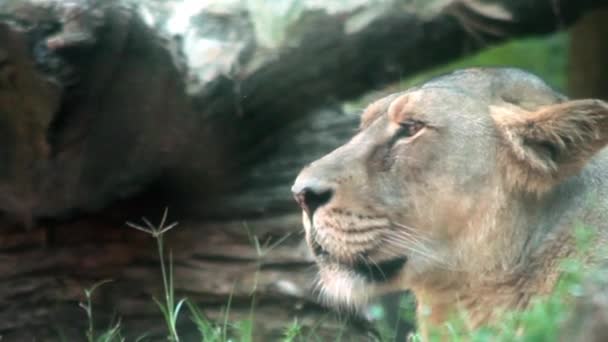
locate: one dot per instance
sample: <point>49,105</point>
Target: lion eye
<point>409,128</point>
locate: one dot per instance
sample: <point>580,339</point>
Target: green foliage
<point>112,334</point>
<point>406,314</point>
<point>546,57</point>
<point>207,329</point>
<point>169,308</point>
<point>292,331</point>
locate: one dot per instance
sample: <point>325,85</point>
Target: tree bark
<point>587,72</point>
<point>105,98</point>
<point>112,111</point>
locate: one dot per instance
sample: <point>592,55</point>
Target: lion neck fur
<point>525,240</point>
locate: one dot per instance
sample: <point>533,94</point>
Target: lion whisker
<point>374,264</point>
<point>402,242</point>
<point>417,232</point>
<point>410,245</point>
<point>413,238</point>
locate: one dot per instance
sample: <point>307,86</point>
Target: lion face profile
<point>463,190</point>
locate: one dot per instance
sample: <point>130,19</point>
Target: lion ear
<point>542,147</point>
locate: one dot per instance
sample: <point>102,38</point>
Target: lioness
<point>465,190</point>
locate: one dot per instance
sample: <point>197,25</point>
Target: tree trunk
<point>588,73</point>
<point>112,111</point>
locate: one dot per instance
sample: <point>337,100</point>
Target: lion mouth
<point>372,271</point>
<point>381,271</point>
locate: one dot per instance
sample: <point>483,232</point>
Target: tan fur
<point>375,110</point>
<point>574,128</point>
<point>481,201</point>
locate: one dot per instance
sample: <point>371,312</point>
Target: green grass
<point>537,323</point>
<point>111,334</point>
<point>169,308</point>
<point>546,57</point>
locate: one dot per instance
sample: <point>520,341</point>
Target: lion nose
<point>311,196</point>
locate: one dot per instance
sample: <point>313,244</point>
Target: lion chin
<point>352,287</point>
<point>345,289</point>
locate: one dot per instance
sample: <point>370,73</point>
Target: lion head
<point>444,183</point>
